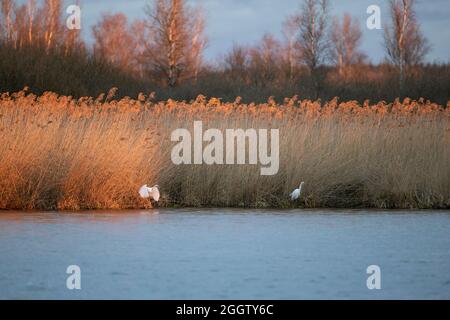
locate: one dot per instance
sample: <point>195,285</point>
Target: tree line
<point>319,55</point>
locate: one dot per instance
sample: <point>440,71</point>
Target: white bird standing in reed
<point>152,193</point>
<point>297,192</point>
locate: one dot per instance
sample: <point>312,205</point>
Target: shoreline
<point>299,209</point>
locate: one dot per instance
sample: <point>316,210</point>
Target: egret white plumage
<point>297,192</point>
<point>153,192</point>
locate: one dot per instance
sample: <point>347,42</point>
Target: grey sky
<point>246,21</point>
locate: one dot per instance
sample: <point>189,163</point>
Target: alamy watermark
<point>73,281</point>
<point>374,280</point>
<point>374,20</point>
<point>73,21</point>
<point>235,146</point>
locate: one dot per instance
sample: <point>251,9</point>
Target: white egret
<point>153,192</point>
<point>297,192</point>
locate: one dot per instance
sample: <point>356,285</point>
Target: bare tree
<point>31,13</point>
<point>7,13</point>
<point>405,45</point>
<point>51,12</point>
<point>197,43</point>
<point>39,27</point>
<point>313,40</point>
<point>141,33</point>
<point>290,32</point>
<point>20,26</point>
<point>72,39</point>
<point>345,39</point>
<point>175,48</point>
<point>114,41</point>
<point>264,61</point>
<point>236,64</point>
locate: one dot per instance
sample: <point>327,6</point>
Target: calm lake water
<point>225,254</point>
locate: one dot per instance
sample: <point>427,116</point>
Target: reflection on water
<point>224,254</point>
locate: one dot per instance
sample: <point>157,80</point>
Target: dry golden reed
<point>57,152</point>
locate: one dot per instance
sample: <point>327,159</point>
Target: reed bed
<point>57,152</point>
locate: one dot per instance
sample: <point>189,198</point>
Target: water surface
<point>225,254</point>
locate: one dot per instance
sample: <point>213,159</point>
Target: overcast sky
<point>246,21</point>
